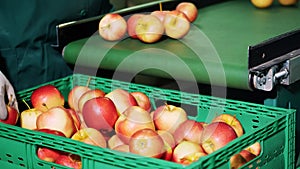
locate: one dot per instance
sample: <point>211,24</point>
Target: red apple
<point>49,154</point>
<point>160,15</point>
<point>169,144</point>
<point>100,113</point>
<point>142,100</point>
<point>112,27</point>
<point>146,142</point>
<point>254,148</point>
<point>69,160</point>
<point>74,95</point>
<point>232,121</point>
<point>56,118</point>
<point>90,136</point>
<point>187,152</point>
<point>189,9</point>
<point>216,135</point>
<point>12,116</point>
<point>189,130</point>
<point>114,141</point>
<point>169,117</point>
<point>75,117</point>
<point>149,29</point>
<point>131,24</point>
<point>46,97</point>
<point>122,148</point>
<point>122,99</point>
<point>89,95</point>
<point>133,119</point>
<point>237,161</point>
<point>248,156</point>
<point>176,24</point>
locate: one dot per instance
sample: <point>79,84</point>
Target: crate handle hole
<point>8,155</point>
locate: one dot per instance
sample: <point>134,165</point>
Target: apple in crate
<point>114,141</point>
<point>217,135</point>
<point>89,95</point>
<point>176,24</point>
<point>122,148</point>
<point>76,118</point>
<point>169,144</point>
<point>149,29</point>
<point>187,152</point>
<point>28,118</point>
<point>248,156</point>
<point>237,161</point>
<point>100,113</point>
<point>169,117</point>
<point>69,160</point>
<point>49,154</point>
<point>254,148</point>
<point>189,9</point>
<point>232,121</point>
<point>12,116</point>
<point>133,119</point>
<point>142,100</point>
<point>74,95</point>
<point>90,136</point>
<point>190,130</point>
<point>112,27</point>
<point>46,97</point>
<point>131,24</point>
<point>57,118</point>
<point>146,142</point>
<point>122,99</point>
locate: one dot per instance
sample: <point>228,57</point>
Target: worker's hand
<point>6,89</point>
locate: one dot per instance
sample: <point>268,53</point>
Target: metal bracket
<point>283,70</point>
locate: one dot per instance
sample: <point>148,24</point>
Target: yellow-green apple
<point>28,118</point>
<point>69,160</point>
<point>146,142</point>
<point>12,116</point>
<point>114,141</point>
<point>232,121</point>
<point>49,154</point>
<point>122,99</point>
<point>131,24</point>
<point>189,130</point>
<point>237,161</point>
<point>122,148</point>
<point>142,100</point>
<point>189,9</point>
<point>187,152</point>
<point>90,136</point>
<point>112,27</point>
<point>46,97</point>
<point>216,135</point>
<point>74,95</point>
<point>89,95</point>
<point>248,156</point>
<point>176,24</point>
<point>149,29</point>
<point>169,144</point>
<point>100,113</point>
<point>254,148</point>
<point>56,118</point>
<point>169,117</point>
<point>159,14</point>
<point>133,119</point>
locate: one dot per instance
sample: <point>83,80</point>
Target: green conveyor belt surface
<point>214,51</point>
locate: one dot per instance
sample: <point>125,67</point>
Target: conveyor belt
<point>214,52</point>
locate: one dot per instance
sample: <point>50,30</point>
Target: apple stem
<point>160,6</point>
<point>44,104</point>
<point>26,104</point>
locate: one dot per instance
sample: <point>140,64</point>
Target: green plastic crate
<point>273,127</point>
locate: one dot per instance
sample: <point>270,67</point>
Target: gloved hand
<point>6,89</point>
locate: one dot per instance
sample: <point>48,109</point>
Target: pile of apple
<point>149,28</point>
<point>126,121</point>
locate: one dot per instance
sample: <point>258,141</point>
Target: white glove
<point>6,89</point>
